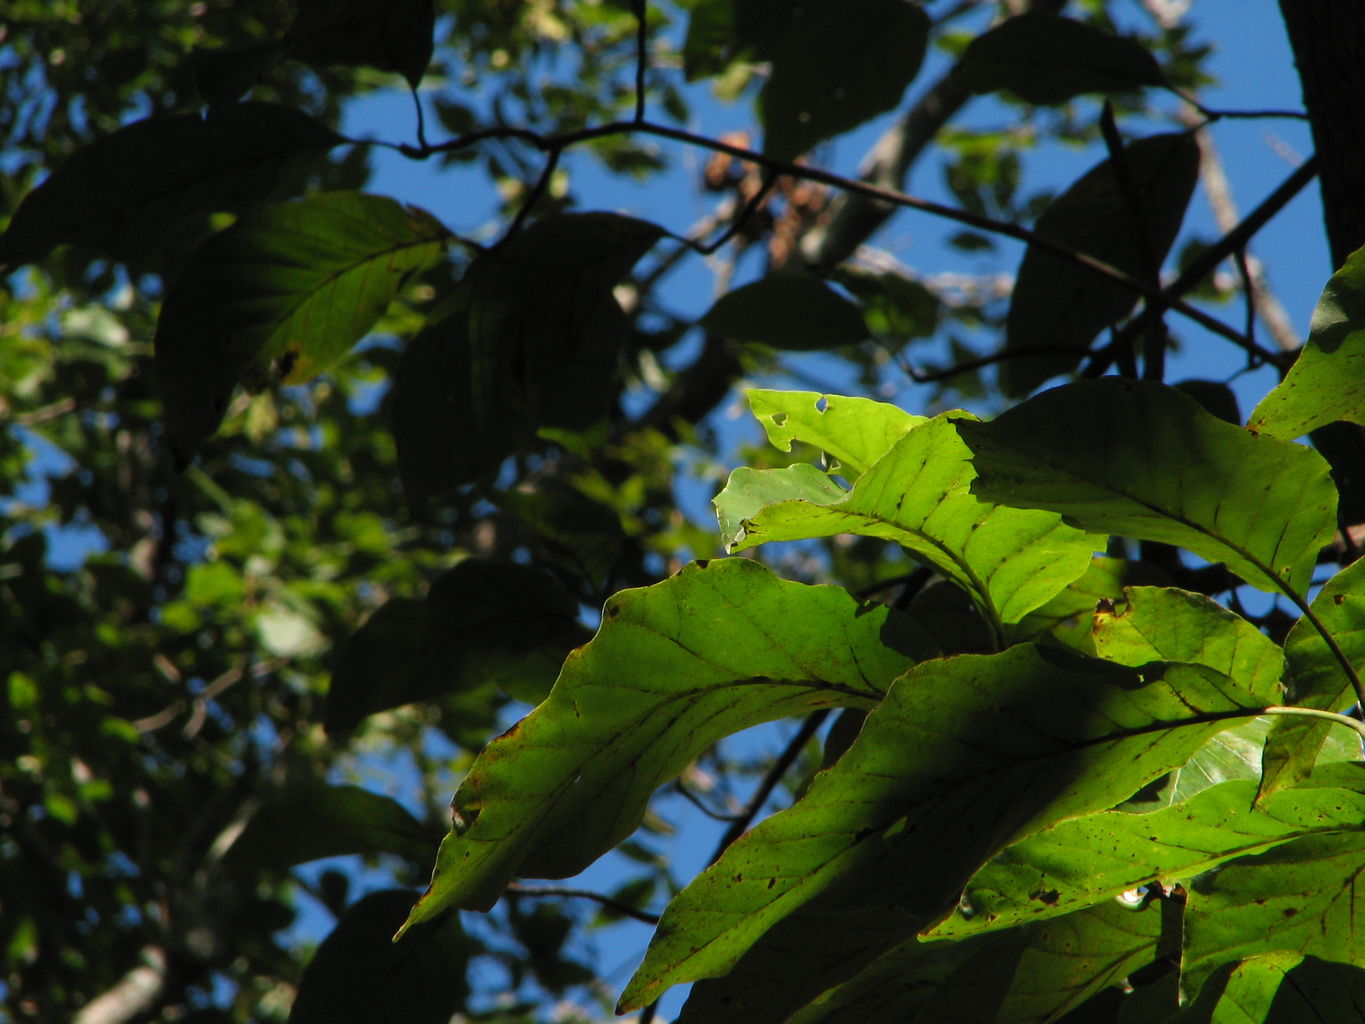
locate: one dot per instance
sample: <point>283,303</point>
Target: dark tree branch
<point>610,902</point>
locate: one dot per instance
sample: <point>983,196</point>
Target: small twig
<point>968,365</point>
<point>421,119</point>
<point>1354,724</point>
<point>741,218</point>
<point>541,186</point>
<point>641,41</point>
<point>700,805</point>
<point>610,902</point>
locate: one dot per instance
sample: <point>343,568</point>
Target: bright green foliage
<point>1327,381</point>
<point>673,668</point>
<point>962,755</point>
<point>853,432</point>
<point>1278,988</point>
<point>918,494</point>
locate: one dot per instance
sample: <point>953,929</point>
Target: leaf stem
<point>1354,724</point>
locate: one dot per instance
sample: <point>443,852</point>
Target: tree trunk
<point>1328,39</point>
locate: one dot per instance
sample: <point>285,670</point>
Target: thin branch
<point>1354,724</point>
<point>610,902</point>
<point>641,42</point>
<point>968,365</point>
<point>541,186</point>
<point>807,172</point>
<point>421,119</point>
<point>741,218</point>
<point>700,805</point>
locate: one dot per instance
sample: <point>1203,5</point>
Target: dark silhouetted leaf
<point>676,666</point>
<point>360,976</point>
<point>833,69</point>
<point>1327,381</point>
<point>787,311</point>
<point>482,624</point>
<point>1059,304</point>
<point>1047,59</point>
<point>393,35</point>
<point>532,341</point>
<point>289,289</point>
<point>1146,461</point>
<point>326,821</point>
<point>127,192</point>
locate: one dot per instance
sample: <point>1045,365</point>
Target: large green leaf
<point>676,666</point>
<point>326,821</point>
<point>1047,59</point>
<point>1070,614</point>
<point>1299,897</point>
<point>482,623</point>
<point>1035,974</point>
<point>1084,861</point>
<point>787,311</point>
<point>288,289</point>
<point>1327,381</point>
<point>854,432</point>
<point>919,495</point>
<point>359,976</point>
<point>1165,624</point>
<point>126,193</point>
<point>1316,676</point>
<point>963,755</point>
<point>1279,988</point>
<point>833,69</point>
<point>1146,461</point>
<point>1058,304</point>
<point>532,340</point>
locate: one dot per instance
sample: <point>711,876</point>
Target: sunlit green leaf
<point>919,495</point>
<point>1146,461</point>
<point>1165,624</point>
<point>855,432</point>
<point>719,647</point>
<point>1036,973</point>
<point>126,193</point>
<point>1298,897</point>
<point>1279,988</point>
<point>1327,381</point>
<point>288,289</point>
<point>1070,614</point>
<point>1317,677</point>
<point>1047,59</point>
<point>964,755</point>
<point>1058,304</point>
<point>787,311</point>
<point>1086,860</point>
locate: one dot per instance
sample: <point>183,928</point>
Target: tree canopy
<point>365,653</point>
